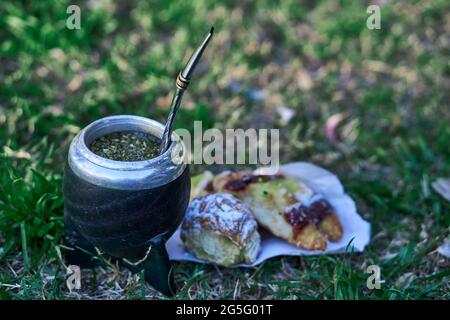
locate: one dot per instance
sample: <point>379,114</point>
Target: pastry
<point>288,208</point>
<point>219,228</point>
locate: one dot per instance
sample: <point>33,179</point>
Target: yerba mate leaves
<point>126,146</point>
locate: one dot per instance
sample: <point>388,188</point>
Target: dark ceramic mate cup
<point>127,210</point>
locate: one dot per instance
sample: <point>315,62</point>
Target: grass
<point>390,88</point>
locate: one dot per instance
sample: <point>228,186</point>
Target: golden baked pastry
<point>219,228</point>
<point>288,208</point>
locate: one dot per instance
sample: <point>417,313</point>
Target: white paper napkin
<point>356,230</point>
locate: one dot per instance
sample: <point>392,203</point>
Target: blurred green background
<point>371,105</point>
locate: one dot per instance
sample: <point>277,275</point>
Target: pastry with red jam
<point>286,207</point>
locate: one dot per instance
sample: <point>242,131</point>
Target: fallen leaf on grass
<point>442,186</point>
<point>286,114</point>
<point>405,280</point>
<point>20,154</point>
<point>331,125</point>
<point>444,249</point>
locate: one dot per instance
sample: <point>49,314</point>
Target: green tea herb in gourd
<point>126,146</point>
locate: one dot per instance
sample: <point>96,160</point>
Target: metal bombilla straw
<point>182,83</point>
